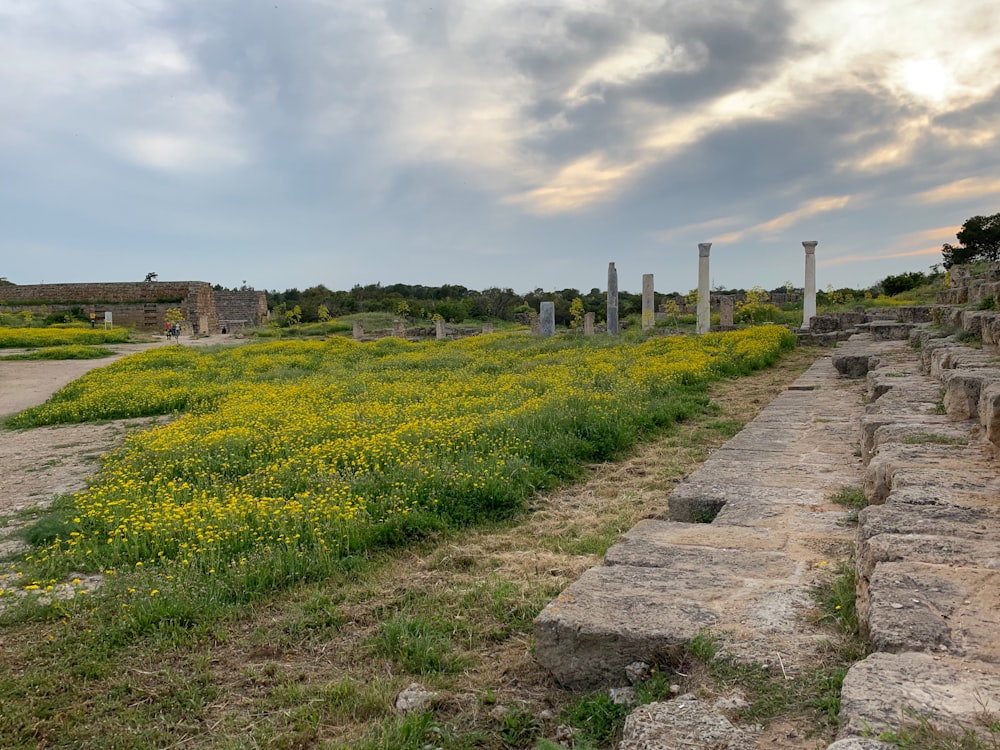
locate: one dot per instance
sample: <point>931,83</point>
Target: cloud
<point>961,190</point>
<point>780,223</point>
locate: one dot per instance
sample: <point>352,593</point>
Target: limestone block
<point>989,411</point>
<point>888,330</point>
<point>861,743</point>
<point>854,365</point>
<point>618,614</point>
<point>614,616</point>
<point>684,722</point>
<point>886,689</point>
<point>962,389</point>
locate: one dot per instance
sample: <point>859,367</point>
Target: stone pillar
<point>439,332</point>
<point>399,329</point>
<point>588,324</point>
<point>359,330</point>
<point>612,300</point>
<point>536,325</point>
<point>704,294</point>
<point>809,299</point>
<point>487,328</point>
<point>726,307</point>
<point>548,318</point>
<point>648,306</point>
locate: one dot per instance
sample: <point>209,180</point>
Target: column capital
<point>703,248</point>
<point>810,246</point>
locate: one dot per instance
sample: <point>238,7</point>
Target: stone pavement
<point>749,534</point>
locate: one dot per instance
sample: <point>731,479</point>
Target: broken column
<point>487,328</point>
<point>399,328</point>
<point>612,300</point>
<point>809,300</point>
<point>359,330</point>
<point>727,307</point>
<point>648,309</point>
<point>548,319</point>
<point>439,331</point>
<point>704,295</point>
<point>588,324</point>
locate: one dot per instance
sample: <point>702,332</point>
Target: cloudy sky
<point>514,143</point>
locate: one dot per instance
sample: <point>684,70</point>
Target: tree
<point>893,285</point>
<point>979,238</point>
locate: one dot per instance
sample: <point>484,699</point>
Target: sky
<point>509,143</point>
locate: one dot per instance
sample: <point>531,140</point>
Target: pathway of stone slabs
<point>746,575</point>
<point>926,554</point>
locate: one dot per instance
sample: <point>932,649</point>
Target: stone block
<point>614,616</point>
<point>962,389</point>
<point>684,722</point>
<point>886,690</point>
<point>854,365</point>
<point>618,614</point>
<point>989,411</point>
<point>888,330</point>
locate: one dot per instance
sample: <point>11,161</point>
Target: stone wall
<point>240,309</point>
<point>970,285</point>
<point>143,305</point>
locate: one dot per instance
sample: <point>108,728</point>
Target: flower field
<point>292,451</point>
<point>60,336</point>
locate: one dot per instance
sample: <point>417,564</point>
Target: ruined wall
<point>970,284</point>
<point>240,309</point>
<point>140,305</point>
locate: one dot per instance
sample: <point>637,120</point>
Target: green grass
<point>851,497</point>
<point>933,439</point>
<point>919,733</point>
<point>64,352</point>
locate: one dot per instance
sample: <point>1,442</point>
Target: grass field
<point>295,476</point>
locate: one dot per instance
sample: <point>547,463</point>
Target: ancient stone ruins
<point>908,410</point>
<point>143,305</point>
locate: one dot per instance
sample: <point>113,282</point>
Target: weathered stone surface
<point>931,518</point>
<point>989,412</point>
<point>937,547</point>
<point>918,606</point>
<point>684,722</point>
<point>885,330</point>
<point>613,616</point>
<point>854,365</point>
<point>861,743</point>
<point>886,689</point>
<point>927,464</point>
<point>414,697</point>
<point>962,390</point>
<point>687,547</point>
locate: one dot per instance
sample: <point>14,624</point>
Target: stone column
<point>548,318</point>
<point>809,299</point>
<point>588,324</point>
<point>648,308</point>
<point>439,332</point>
<point>399,329</point>
<point>487,328</point>
<point>704,294</point>
<point>612,300</point>
<point>359,330</point>
<point>726,307</point>
<point>536,325</point>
